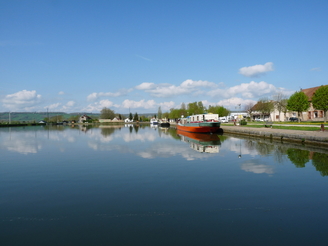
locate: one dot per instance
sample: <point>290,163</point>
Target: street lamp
<point>239,108</point>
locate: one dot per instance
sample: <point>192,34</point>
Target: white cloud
<point>53,106</point>
<point>70,104</point>
<point>64,108</point>
<point>168,90</point>
<point>98,106</point>
<point>21,100</point>
<point>246,90</point>
<point>145,86</point>
<point>200,83</point>
<point>256,70</point>
<point>61,93</point>
<point>233,103</point>
<point>316,69</point>
<point>93,96</point>
<point>127,103</point>
<point>150,104</point>
<point>167,105</point>
<point>106,103</point>
<point>207,103</point>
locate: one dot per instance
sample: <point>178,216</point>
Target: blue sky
<point>137,56</point>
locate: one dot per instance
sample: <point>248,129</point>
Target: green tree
<point>220,110</point>
<point>264,106</point>
<point>201,107</point>
<point>59,118</point>
<point>298,102</point>
<point>73,117</point>
<point>174,113</point>
<point>183,110</point>
<point>195,108</point>
<point>130,116</point>
<point>56,118</point>
<point>159,113</point>
<point>166,115</point>
<point>107,113</point>
<point>320,100</point>
<point>136,117</point>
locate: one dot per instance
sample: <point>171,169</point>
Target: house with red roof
<point>312,113</point>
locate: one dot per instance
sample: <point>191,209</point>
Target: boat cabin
<point>203,118</point>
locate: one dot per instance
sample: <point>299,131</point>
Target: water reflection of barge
<point>200,142</point>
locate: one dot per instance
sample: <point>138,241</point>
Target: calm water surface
<point>129,185</point>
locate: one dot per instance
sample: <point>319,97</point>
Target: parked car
<point>293,119</point>
<point>258,119</point>
<point>224,120</point>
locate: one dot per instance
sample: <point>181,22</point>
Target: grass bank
<point>288,126</point>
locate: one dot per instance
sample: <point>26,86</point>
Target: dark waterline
<point>145,186</point>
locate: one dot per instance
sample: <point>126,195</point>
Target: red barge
<point>200,123</point>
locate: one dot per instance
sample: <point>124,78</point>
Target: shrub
<point>243,122</point>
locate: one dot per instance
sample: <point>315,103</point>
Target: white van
<point>224,119</point>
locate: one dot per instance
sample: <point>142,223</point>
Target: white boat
<point>153,121</point>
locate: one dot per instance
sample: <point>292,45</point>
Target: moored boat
<point>164,124</point>
<point>200,123</point>
<point>153,121</point>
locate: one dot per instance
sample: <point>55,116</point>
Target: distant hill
<point>37,116</point>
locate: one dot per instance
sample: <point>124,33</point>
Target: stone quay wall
<point>308,137</point>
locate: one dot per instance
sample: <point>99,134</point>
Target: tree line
<point>184,110</point>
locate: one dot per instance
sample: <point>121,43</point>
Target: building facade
<point>312,113</point>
